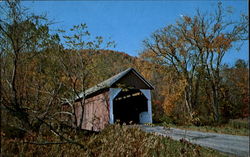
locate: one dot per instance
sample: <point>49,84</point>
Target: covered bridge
<point>125,97</point>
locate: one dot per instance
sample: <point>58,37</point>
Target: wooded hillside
<point>41,70</point>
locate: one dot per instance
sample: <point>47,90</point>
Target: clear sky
<point>128,23</point>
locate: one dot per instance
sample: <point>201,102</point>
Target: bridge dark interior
<point>128,105</point>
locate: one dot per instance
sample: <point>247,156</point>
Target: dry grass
<point>115,140</point>
<point>233,127</point>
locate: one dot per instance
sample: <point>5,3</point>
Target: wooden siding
<point>96,112</point>
<point>131,80</point>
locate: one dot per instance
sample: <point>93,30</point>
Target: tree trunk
<point>215,103</point>
<point>188,102</point>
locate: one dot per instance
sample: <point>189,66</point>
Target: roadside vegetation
<point>233,127</point>
<point>115,140</point>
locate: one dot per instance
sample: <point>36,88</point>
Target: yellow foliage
<point>173,94</point>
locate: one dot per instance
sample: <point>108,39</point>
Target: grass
<point>233,127</point>
<point>115,140</point>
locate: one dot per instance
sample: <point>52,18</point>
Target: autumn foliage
<point>183,61</point>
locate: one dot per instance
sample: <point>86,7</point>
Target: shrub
<point>239,123</point>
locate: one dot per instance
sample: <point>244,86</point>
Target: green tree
<point>240,63</point>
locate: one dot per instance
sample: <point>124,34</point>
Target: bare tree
<point>23,36</point>
<point>78,67</point>
<point>195,47</point>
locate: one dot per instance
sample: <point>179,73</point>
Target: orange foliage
<point>221,43</point>
<point>173,94</point>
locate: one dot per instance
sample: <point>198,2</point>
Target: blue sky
<point>128,23</point>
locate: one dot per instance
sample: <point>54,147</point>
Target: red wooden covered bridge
<point>125,97</point>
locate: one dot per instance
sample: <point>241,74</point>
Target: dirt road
<point>230,144</point>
